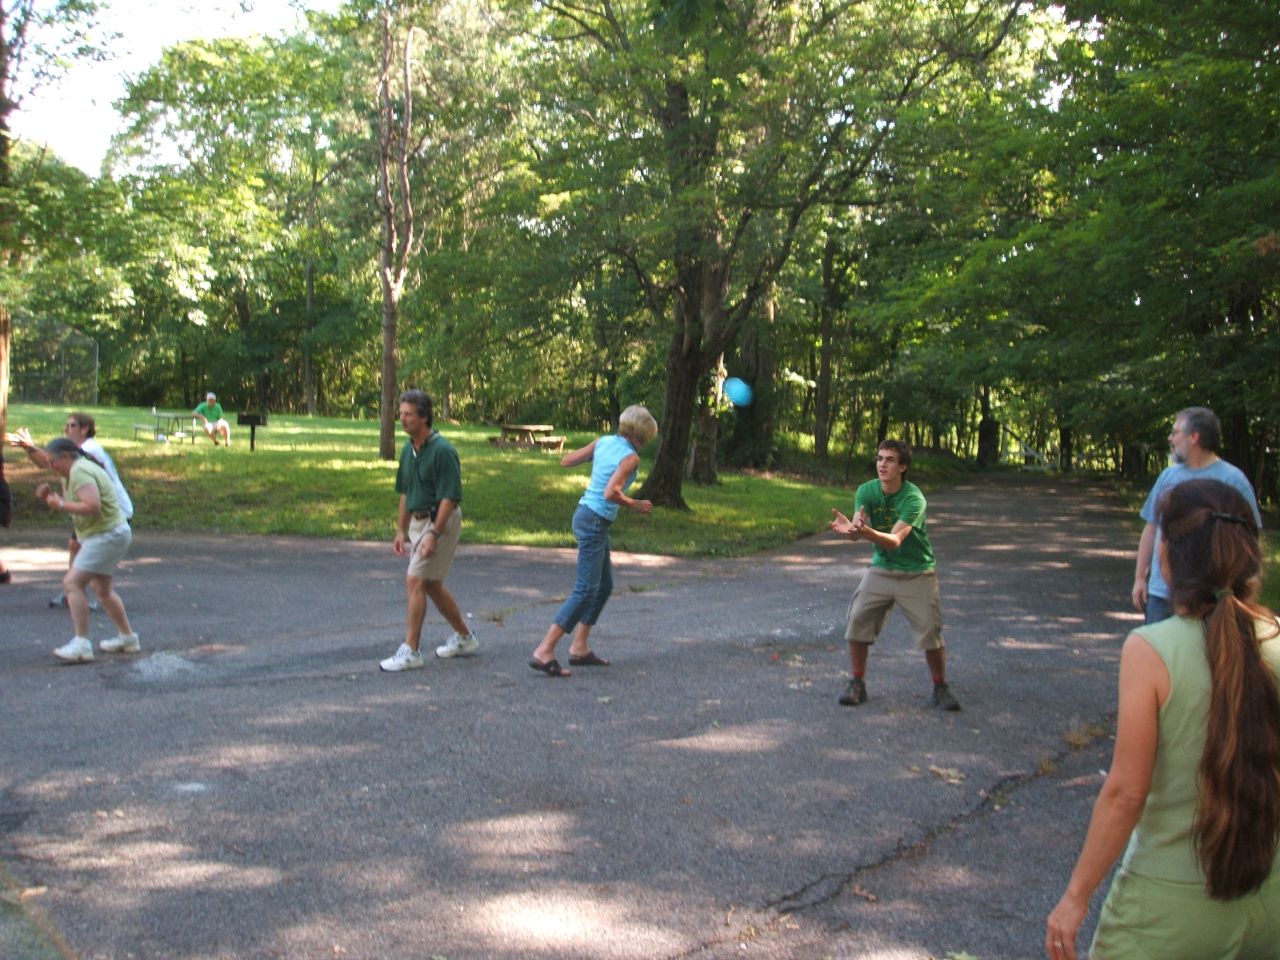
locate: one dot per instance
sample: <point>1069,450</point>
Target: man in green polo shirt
<point>889,512</point>
<point>211,417</point>
<point>430,520</point>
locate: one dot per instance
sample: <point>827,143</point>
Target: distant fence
<point>51,362</point>
<point>1014,450</point>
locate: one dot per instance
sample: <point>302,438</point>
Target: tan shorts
<point>877,592</point>
<point>435,567</point>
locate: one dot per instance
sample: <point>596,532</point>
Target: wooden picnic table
<point>526,434</point>
<point>169,423</point>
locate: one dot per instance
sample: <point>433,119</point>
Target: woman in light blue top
<point>613,469</point>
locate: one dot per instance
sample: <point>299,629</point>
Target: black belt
<point>425,514</point>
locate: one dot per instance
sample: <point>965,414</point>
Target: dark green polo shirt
<point>429,475</point>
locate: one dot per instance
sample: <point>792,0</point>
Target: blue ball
<point>738,392</point>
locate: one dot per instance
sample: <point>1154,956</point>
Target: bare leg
<point>113,606</point>
<point>858,657</point>
<point>545,652</point>
<point>447,606</point>
<point>73,585</point>
<point>581,646</point>
<point>937,660</point>
<point>417,590</point>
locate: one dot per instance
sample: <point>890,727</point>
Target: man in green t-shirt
<point>889,513</point>
<point>210,416</point>
<point>428,525</point>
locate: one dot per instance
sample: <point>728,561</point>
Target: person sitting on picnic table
<point>210,415</point>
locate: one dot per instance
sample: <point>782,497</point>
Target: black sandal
<point>588,659</point>
<point>551,668</point>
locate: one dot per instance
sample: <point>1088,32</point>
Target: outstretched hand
<point>20,438</point>
<point>845,526</point>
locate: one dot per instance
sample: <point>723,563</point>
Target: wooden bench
<point>549,444</point>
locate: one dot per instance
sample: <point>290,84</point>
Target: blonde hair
<point>637,425</point>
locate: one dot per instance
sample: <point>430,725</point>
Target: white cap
<point>211,395</point>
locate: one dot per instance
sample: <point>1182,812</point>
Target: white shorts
<point>101,553</point>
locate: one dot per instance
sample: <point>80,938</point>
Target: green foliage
<point>887,217</point>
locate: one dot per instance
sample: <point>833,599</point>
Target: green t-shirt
<point>429,475</point>
<point>212,413</point>
<point>85,472</point>
<point>883,513</point>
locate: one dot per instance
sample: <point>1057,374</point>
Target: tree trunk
<point>988,433</point>
<point>7,106</point>
<point>826,347</point>
<point>308,371</point>
<point>6,339</point>
<point>706,433</point>
<point>397,226</point>
<point>608,368</point>
<point>390,391</point>
<point>680,402</point>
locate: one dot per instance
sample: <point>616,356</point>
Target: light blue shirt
<point>609,452</point>
<point>1181,473</point>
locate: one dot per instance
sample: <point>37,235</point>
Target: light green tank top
<point>1161,846</point>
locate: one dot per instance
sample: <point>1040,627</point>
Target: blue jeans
<point>595,571</point>
<point>1158,608</point>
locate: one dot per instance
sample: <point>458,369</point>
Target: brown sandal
<point>588,659</point>
<point>551,668</point>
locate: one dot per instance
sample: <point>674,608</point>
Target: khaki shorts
<point>915,593</point>
<point>437,566</point>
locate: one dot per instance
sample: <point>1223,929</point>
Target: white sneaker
<point>75,650</point>
<point>124,643</point>
<point>403,659</point>
<point>458,646</point>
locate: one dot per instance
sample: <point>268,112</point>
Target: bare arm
<point>888,541</point>
<point>1146,551</point>
<point>1144,685</point>
<point>22,438</point>
<point>581,455</point>
<point>402,529</point>
<point>613,489</point>
<point>87,504</point>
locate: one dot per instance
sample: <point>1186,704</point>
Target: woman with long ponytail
<point>1192,798</point>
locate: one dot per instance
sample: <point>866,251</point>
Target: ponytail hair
<point>64,447</point>
<point>1215,571</point>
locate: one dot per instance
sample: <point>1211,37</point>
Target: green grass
<point>322,477</point>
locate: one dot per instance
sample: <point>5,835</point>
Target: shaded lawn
<point>322,477</point>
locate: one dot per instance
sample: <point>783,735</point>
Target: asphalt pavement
<point>252,786</point>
